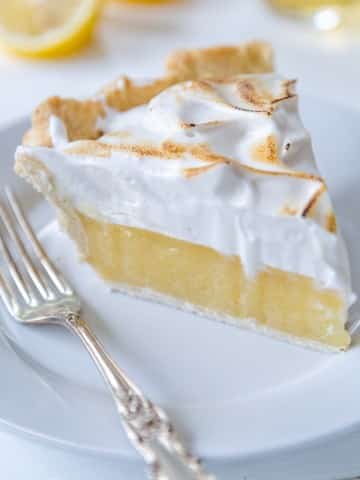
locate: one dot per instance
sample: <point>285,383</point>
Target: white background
<point>135,41</point>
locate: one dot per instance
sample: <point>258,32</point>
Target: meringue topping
<point>224,163</point>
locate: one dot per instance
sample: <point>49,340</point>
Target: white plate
<point>233,393</point>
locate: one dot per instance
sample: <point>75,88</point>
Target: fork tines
<point>29,277</point>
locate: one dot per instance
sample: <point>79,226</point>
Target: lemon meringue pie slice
<point>200,190</point>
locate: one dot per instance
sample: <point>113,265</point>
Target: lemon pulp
<point>46,28</point>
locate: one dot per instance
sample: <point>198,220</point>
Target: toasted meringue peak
<point>236,121</point>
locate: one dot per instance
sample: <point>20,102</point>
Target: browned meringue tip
<point>195,171</point>
<point>80,116</point>
<point>267,151</point>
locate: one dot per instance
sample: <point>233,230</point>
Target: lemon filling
<point>286,302</point>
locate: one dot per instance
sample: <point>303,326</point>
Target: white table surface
<point>135,41</point>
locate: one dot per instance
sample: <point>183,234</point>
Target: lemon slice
<point>46,28</point>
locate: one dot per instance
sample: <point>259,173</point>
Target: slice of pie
<point>200,190</point>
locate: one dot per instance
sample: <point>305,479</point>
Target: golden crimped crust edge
<point>80,116</point>
<point>223,61</point>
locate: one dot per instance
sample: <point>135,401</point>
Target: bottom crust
<point>244,323</point>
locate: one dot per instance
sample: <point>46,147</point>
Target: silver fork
<point>36,293</point>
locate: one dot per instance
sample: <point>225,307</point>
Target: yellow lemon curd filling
<point>286,302</point>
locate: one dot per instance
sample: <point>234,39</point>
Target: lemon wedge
<point>46,28</point>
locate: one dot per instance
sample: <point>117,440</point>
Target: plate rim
<point>285,449</point>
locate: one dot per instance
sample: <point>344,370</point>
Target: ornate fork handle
<point>146,425</point>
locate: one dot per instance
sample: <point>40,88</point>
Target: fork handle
<point>114,377</point>
<point>123,392</point>
<point>146,425</point>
